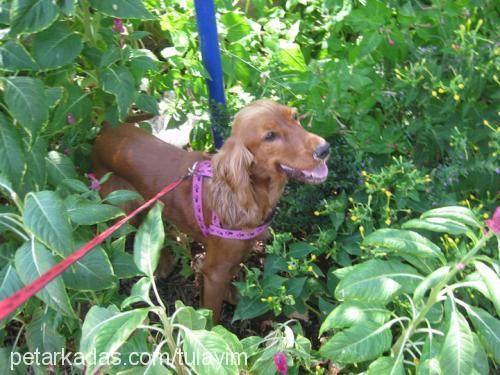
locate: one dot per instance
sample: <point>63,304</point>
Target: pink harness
<point>204,169</point>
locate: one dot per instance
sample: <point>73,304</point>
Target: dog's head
<point>267,143</point>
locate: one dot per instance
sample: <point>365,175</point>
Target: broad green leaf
<point>249,308</point>
<point>35,177</point>
<point>84,212</point>
<point>32,260</point>
<point>41,334</point>
<point>350,313</point>
<point>12,158</point>
<point>230,338</point>
<point>437,224</point>
<point>123,8</point>
<point>139,293</point>
<point>386,366</point>
<point>29,16</point>
<point>75,185</point>
<point>14,57</point>
<point>492,282</point>
<point>488,330</point>
<point>403,242</point>
<point>429,367</point>
<point>92,272</point>
<point>121,196</point>
<point>429,363</point>
<point>456,213</point>
<point>362,342</point>
<point>25,98</point>
<point>59,168</point>
<point>123,263</point>
<point>212,348</point>
<point>109,332</point>
<point>53,95</point>
<point>147,104</point>
<point>77,103</point>
<point>237,26</point>
<point>457,353</point>
<point>377,281</point>
<point>481,364</point>
<point>369,44</point>
<point>291,56</point>
<point>45,215</point>
<point>9,284</point>
<point>189,317</point>
<point>149,240</point>
<point>120,83</point>
<point>429,282</point>
<point>57,46</point>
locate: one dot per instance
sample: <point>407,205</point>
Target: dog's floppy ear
<point>232,182</point>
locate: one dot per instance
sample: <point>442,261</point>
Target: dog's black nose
<point>322,151</point>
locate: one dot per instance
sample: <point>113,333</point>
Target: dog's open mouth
<point>312,176</point>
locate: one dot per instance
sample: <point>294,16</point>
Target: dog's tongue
<point>319,172</point>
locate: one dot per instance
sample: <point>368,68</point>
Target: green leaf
<point>123,263</point>
<point>9,284</point>
<point>189,317</point>
<point>45,215</point>
<point>57,46</point>
<point>42,335</point>
<point>481,364</point>
<point>457,353</point>
<point>105,331</point>
<point>488,330</point>
<point>59,168</point>
<point>212,348</point>
<point>120,83</point>
<point>53,95</point>
<point>14,57</point>
<point>230,338</point>
<point>291,56</point>
<point>377,281</point>
<point>25,98</point>
<point>403,242</point>
<point>429,363</point>
<point>386,366</point>
<point>139,293</point>
<point>237,26</point>
<point>29,16</point>
<point>492,282</point>
<point>32,260</point>
<point>437,224</point>
<point>350,313</point>
<point>84,212</point>
<point>147,103</point>
<point>121,196</point>
<point>362,342</point>
<point>461,214</point>
<point>92,272</point>
<point>77,103</point>
<point>123,9</point>
<point>12,158</point>
<point>250,308</point>
<point>429,282</point>
<point>149,240</point>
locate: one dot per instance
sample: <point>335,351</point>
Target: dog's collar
<point>204,169</point>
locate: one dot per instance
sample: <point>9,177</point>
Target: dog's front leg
<point>222,262</point>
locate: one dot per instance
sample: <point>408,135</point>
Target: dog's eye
<point>270,136</point>
<point>295,116</point>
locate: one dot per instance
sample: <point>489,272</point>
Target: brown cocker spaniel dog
<point>266,147</point>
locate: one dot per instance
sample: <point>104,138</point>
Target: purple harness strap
<point>204,169</point>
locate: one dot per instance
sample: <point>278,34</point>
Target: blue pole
<point>210,53</point>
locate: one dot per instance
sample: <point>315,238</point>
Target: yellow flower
<point>316,213</point>
<point>364,173</point>
<point>313,257</point>
<point>388,193</point>
<point>291,267</point>
<point>441,90</point>
<point>367,184</point>
<point>263,299</point>
<point>486,216</point>
<point>486,123</point>
<point>387,209</point>
<point>362,231</point>
<point>388,221</point>
<point>382,190</point>
<point>456,97</point>
<point>269,299</point>
<point>354,218</point>
<point>434,93</point>
<point>309,269</point>
<point>457,240</point>
<point>461,86</point>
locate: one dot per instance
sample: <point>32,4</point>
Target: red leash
<point>11,303</point>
